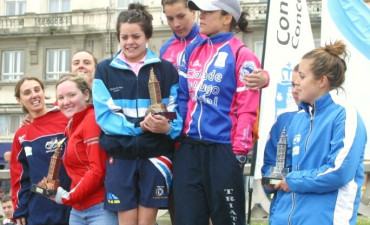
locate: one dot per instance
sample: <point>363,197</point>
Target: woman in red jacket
<point>84,160</point>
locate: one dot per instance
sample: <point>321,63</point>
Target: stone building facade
<point>38,37</point>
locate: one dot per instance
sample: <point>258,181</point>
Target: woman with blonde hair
<point>83,159</point>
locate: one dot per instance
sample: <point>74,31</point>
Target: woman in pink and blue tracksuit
<point>218,113</point>
<point>181,20</point>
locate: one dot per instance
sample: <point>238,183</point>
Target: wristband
<point>241,158</point>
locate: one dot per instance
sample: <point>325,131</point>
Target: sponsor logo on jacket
<point>51,145</point>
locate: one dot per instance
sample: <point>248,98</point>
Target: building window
<point>123,4</point>
<point>15,7</point>
<point>9,124</point>
<point>258,49</point>
<point>59,6</point>
<point>13,65</point>
<point>58,62</point>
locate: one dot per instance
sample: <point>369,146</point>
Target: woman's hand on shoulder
<point>256,80</point>
<point>26,120</point>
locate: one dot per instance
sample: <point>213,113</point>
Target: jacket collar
<point>79,116</point>
<point>219,38</point>
<point>323,102</point>
<point>193,33</point>
<point>150,58</point>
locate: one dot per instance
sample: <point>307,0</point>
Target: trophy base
<point>169,115</point>
<point>270,181</point>
<point>43,191</point>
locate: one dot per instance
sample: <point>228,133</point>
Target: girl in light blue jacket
<point>326,140</point>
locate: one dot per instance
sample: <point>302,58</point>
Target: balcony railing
<point>96,19</point>
<point>258,11</point>
<point>46,21</point>
<point>31,23</point>
<point>11,23</point>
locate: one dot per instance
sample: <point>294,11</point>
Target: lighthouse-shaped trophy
<point>278,172</point>
<point>157,107</point>
<point>48,185</point>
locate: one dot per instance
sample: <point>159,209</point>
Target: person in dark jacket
<point>139,144</point>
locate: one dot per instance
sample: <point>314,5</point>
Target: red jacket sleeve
<point>19,177</point>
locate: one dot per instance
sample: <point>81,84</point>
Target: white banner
<point>288,38</point>
<point>349,21</point>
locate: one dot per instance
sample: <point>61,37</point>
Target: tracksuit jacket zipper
<point>312,115</point>
<point>209,41</point>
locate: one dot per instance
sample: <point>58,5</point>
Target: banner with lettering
<point>288,36</point>
<point>349,21</point>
